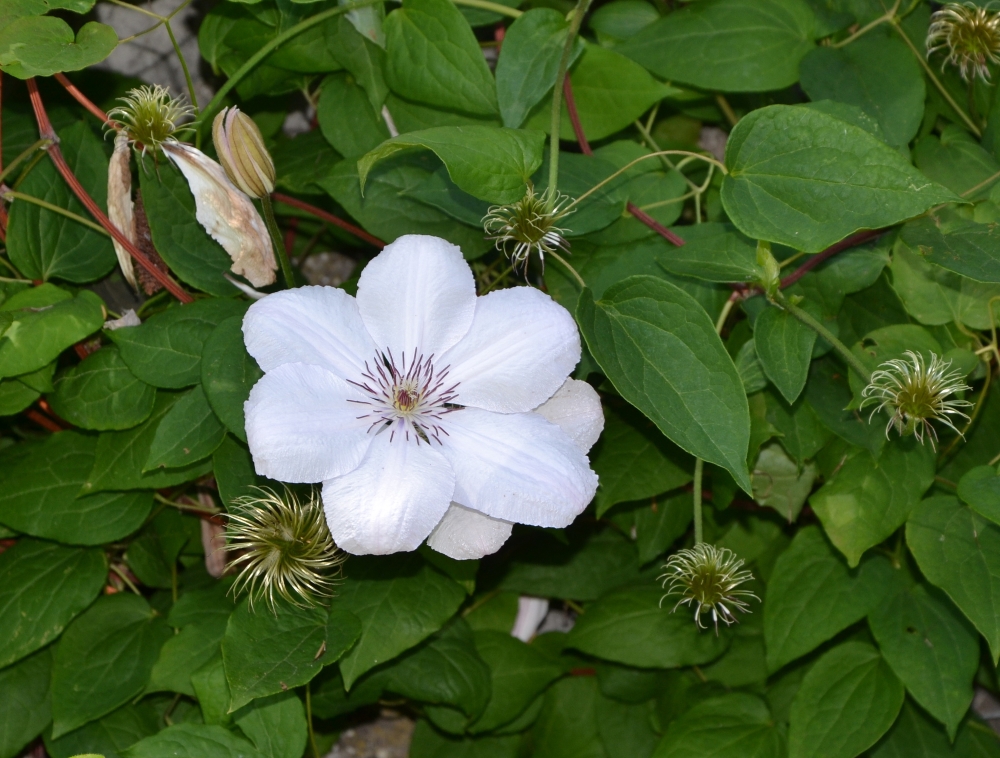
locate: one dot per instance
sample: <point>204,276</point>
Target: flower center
<point>408,397</point>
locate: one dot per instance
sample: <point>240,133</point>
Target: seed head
<point>242,153</point>
<point>916,393</point>
<point>150,116</point>
<point>283,548</point>
<point>707,578</point>
<point>528,225</point>
<point>969,35</point>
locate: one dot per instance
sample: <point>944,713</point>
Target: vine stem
<point>574,27</point>
<point>39,144</point>
<point>309,722</point>
<point>573,271</point>
<point>503,10</point>
<point>887,16</point>
<point>850,358</point>
<point>209,111</point>
<point>55,154</point>
<point>12,195</point>
<point>699,468</point>
<point>278,242</point>
<point>326,216</point>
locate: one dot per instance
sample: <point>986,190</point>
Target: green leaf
<point>104,659</point>
<point>432,56</point>
<point>445,670</point>
<point>716,253</point>
<point>185,653</point>
<point>346,117</point>
<point>659,348</point>
<point>957,161</point>
<point>24,702</point>
<point>567,725</point>
<point>38,332</point>
<point>629,626</point>
<point>848,699</point>
<point>915,735</point>
<point>165,350</point>
<point>519,673</point>
<point>932,649</point>
<point>489,162</point>
<point>428,743</point>
<point>120,457</point>
<point>276,725</point>
<point>44,244</point>
<point>813,595</point>
<point>934,295</point>
<point>108,737</point>
<point>233,468</point>
<point>39,484</point>
<point>878,74</point>
<point>528,62</point>
<point>728,45</point>
<point>15,396</point>
<point>959,551</point>
<point>737,725</point>
<point>188,432</point>
<point>868,499</point>
<point>634,460</point>
<point>361,54</point>
<point>784,347</point>
<point>193,741</point>
<point>212,691</point>
<point>181,241</point>
<point>610,92</point>
<point>387,212</point>
<point>384,592</point>
<point>265,654</point>
<point>101,393</point>
<point>957,244</point>
<point>806,179</point>
<point>781,483</point>
<point>42,587</point>
<point>45,45</point>
<point>980,488</point>
<point>228,373</point>
<point>617,21</point>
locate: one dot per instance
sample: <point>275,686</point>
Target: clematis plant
<point>427,413</point>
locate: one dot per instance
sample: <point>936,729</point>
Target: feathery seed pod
<point>242,153</point>
<point>527,226</point>
<point>970,37</point>
<point>150,116</point>
<point>707,577</point>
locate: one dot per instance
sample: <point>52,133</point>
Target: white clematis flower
<point>424,410</point>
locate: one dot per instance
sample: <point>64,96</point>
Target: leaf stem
<point>503,10</point>
<point>887,16</point>
<point>39,144</point>
<point>278,242</point>
<point>267,49</point>
<point>184,66</point>
<point>12,195</point>
<point>850,358</point>
<point>557,91</point>
<point>569,268</point>
<point>937,82</point>
<point>309,723</point>
<point>699,469</point>
<point>128,582</point>
<point>325,216</point>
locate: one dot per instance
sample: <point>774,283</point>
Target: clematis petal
<point>521,347</point>
<point>316,325</point>
<point>302,427</point>
<point>392,501</point>
<point>517,467</point>
<point>465,534</point>
<point>417,294</point>
<point>576,409</point>
<point>227,214</point>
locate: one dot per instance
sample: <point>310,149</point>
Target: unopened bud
<point>770,281</point>
<point>242,153</point>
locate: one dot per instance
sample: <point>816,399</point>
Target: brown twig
<point>639,214</point>
<point>46,131</point>
<point>82,99</point>
<point>326,216</point>
<point>848,242</point>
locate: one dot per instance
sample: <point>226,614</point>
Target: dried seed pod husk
<point>120,208</point>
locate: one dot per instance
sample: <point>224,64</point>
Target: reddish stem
<point>46,131</point>
<point>639,214</point>
<point>43,421</point>
<point>326,216</point>
<point>848,242</point>
<point>82,99</point>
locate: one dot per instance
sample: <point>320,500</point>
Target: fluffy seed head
<point>150,116</point>
<point>916,392</point>
<point>970,37</point>
<point>283,548</point>
<point>707,577</point>
<point>242,153</point>
<point>527,226</point>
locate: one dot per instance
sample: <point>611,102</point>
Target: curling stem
<point>279,243</point>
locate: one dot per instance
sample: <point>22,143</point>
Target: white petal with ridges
<point>301,426</point>
<point>417,294</point>
<point>392,501</point>
<point>576,409</point>
<point>226,214</point>
<point>465,534</point>
<point>521,347</point>
<point>517,467</point>
<point>316,325</point>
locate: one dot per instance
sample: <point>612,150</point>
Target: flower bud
<point>770,282</point>
<point>242,152</point>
